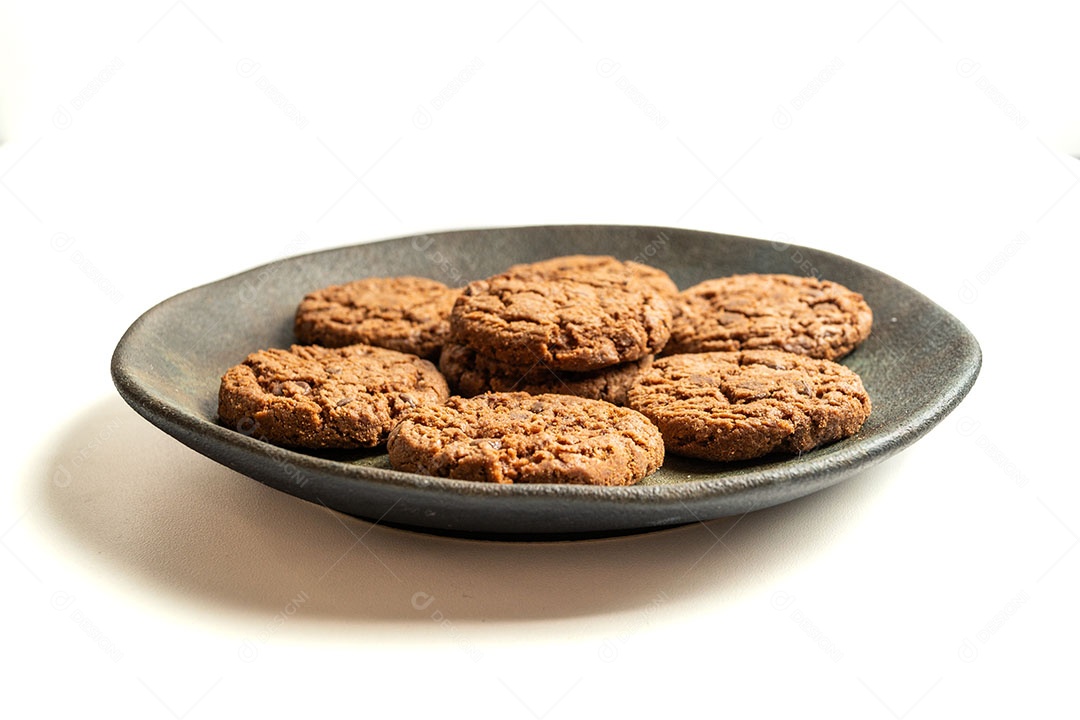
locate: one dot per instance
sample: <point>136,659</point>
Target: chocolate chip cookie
<point>522,438</point>
<point>746,404</point>
<point>575,322</point>
<point>316,397</point>
<point>407,314</point>
<point>804,315</point>
<point>576,265</point>
<point>470,373</point>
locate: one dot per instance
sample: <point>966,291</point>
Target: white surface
<point>143,578</point>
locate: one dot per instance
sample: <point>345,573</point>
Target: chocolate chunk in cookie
<point>407,314</point>
<point>316,397</point>
<point>804,315</point>
<point>567,322</point>
<point>746,404</point>
<point>471,373</point>
<point>522,438</point>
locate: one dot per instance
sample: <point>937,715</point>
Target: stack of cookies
<point>750,368</point>
<point>547,372</point>
<point>579,325</point>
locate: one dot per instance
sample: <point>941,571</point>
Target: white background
<point>150,147</point>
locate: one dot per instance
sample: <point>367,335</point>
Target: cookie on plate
<point>521,438</point>
<point>575,322</point>
<point>315,397</point>
<point>747,404</point>
<point>470,373</point>
<point>579,264</point>
<point>407,314</point>
<point>804,315</point>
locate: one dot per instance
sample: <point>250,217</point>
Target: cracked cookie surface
<point>804,315</point>
<point>521,438</point>
<point>407,314</point>
<point>747,404</point>
<point>655,278</point>
<point>567,321</point>
<point>316,397</point>
<point>470,373</point>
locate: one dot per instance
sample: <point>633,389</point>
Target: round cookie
<point>656,278</point>
<point>804,315</point>
<point>316,397</point>
<point>470,373</point>
<point>576,323</point>
<point>522,438</point>
<point>746,404</point>
<point>407,314</point>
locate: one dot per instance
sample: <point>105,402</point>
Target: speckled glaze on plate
<point>917,365</point>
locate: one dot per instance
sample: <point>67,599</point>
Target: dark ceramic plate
<point>917,365</point>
